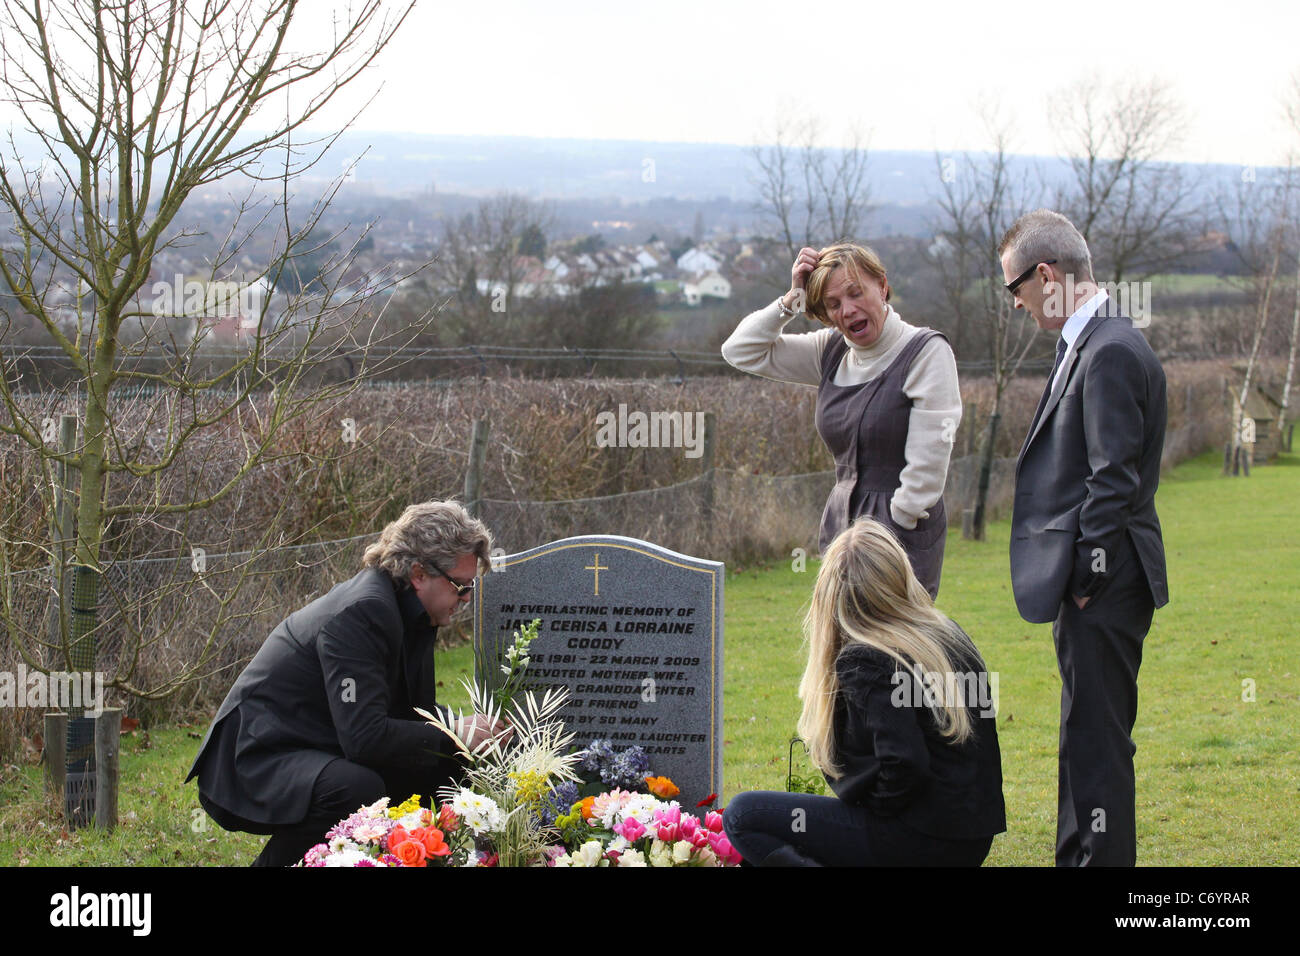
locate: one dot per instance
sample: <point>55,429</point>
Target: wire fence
<point>438,365</point>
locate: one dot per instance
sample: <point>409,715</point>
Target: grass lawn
<point>1217,781</point>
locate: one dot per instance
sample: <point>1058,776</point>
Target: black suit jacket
<point>338,678</point>
<point>1088,471</point>
<point>894,762</point>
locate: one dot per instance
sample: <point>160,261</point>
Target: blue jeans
<point>833,833</point>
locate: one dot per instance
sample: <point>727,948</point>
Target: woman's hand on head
<point>804,264</point>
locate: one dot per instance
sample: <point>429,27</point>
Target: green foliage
<point>532,242</point>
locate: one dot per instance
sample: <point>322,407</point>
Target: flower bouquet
<point>521,801</point>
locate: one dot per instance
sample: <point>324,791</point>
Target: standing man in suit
<point>1086,550</point>
<point>322,721</point>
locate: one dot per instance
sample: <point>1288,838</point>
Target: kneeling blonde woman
<point>898,716</point>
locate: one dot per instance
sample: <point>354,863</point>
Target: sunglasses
<point>1019,280</point>
<point>461,589</point>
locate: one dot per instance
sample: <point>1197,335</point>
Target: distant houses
<point>697,274</point>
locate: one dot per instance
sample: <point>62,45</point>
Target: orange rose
<point>586,807</point>
<point>397,835</point>
<point>406,847</point>
<point>662,787</point>
<point>431,839</point>
<point>411,853</point>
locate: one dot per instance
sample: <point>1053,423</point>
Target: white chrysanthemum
<point>481,814</point>
<point>339,844</point>
<point>413,820</point>
<point>350,857</point>
<point>642,807</point>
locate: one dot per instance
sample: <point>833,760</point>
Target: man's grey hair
<point>1044,234</point>
<point>434,534</point>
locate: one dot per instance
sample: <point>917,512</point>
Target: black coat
<point>338,678</point>
<point>894,762</point>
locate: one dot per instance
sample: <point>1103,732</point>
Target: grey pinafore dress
<point>865,428</point>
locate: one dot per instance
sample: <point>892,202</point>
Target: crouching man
<point>322,720</point>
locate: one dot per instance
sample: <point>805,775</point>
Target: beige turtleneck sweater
<point>759,346</point>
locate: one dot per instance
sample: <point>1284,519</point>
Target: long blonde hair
<point>867,594</point>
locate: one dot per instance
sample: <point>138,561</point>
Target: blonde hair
<point>854,260</point>
<point>433,534</point>
<point>867,594</point>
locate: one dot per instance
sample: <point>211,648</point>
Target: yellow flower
<point>530,786</point>
<point>410,805</point>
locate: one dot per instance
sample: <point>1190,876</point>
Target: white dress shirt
<point>1074,325</point>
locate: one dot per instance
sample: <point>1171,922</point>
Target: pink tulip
<point>688,827</point>
<point>713,820</point>
<point>630,829</point>
<point>668,832</point>
<point>671,816</point>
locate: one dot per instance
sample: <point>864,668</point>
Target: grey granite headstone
<point>635,632</point>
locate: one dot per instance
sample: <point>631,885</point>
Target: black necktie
<point>1060,356</point>
<point>1051,379</point>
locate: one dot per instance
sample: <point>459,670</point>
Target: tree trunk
<point>1237,451</point>
<point>976,531</point>
<point>1282,416</point>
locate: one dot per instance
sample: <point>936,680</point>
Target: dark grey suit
<point>336,680</point>
<point>1085,524</point>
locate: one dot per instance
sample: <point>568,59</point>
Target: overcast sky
<point>721,71</point>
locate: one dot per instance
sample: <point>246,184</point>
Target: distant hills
<point>593,178</point>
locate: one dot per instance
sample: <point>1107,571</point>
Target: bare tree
<point>1138,214</point>
<point>1284,413</point>
<point>1260,216</point>
<point>135,107</point>
<point>980,197</point>
<point>480,267</point>
<point>811,194</point>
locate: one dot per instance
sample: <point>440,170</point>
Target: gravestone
<point>634,631</point>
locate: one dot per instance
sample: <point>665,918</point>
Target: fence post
<point>474,474</point>
<point>55,753</point>
<point>108,740</point>
<point>710,442</point>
